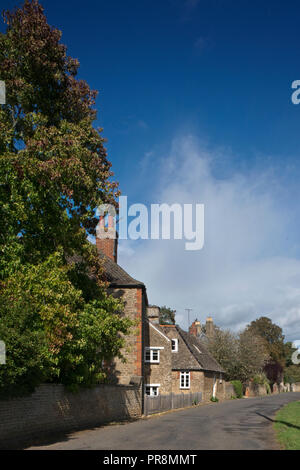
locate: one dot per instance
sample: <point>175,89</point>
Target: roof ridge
<point>204,352</point>
<point>180,331</point>
<point>117,275</point>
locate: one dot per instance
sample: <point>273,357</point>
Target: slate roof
<point>113,273</point>
<point>117,276</point>
<point>190,358</point>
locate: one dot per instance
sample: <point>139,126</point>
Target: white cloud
<point>245,269</point>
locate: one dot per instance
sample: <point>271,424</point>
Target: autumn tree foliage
<point>273,338</point>
<point>55,318</point>
<point>241,355</point>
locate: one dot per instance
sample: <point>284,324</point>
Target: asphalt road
<point>232,425</point>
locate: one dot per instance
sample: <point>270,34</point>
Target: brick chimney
<point>195,328</point>
<point>209,327</point>
<point>107,238</point>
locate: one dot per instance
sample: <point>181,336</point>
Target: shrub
<point>51,334</point>
<point>261,379</point>
<point>238,388</point>
<point>214,399</point>
<point>268,388</point>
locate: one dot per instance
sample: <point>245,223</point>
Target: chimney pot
<point>107,238</point>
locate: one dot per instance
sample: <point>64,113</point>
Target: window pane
<point>148,355</point>
<point>187,380</point>
<point>154,354</point>
<point>148,390</point>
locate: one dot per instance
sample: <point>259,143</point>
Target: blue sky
<point>204,85</point>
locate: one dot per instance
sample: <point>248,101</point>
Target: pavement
<point>244,424</point>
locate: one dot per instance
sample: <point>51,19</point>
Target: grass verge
<point>287,426</point>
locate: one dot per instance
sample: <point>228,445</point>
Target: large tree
<point>241,355</point>
<point>273,338</point>
<point>54,167</point>
<point>56,320</point>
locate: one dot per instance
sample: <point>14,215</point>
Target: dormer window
<point>175,345</point>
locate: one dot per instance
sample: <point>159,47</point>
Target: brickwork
<point>107,238</point>
<point>122,372</point>
<point>195,328</point>
<point>107,246</point>
<point>52,410</point>
<point>139,339</point>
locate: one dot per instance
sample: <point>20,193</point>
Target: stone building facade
<point>164,358</point>
<point>157,356</point>
<point>193,368</point>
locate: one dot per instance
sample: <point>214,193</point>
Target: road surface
<point>231,425</point>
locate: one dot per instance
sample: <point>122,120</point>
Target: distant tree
<point>224,348</point>
<point>292,373</point>
<point>241,355</point>
<point>167,316</point>
<point>252,355</point>
<point>273,338</point>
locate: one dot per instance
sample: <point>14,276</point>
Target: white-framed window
<point>175,345</point>
<point>152,354</point>
<point>152,390</point>
<point>185,379</point>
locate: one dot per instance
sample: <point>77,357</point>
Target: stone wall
<point>229,391</point>
<point>208,386</point>
<point>295,387</point>
<point>53,410</point>
<point>196,382</point>
<point>220,392</point>
<point>255,390</point>
<point>160,373</point>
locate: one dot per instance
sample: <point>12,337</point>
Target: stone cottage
<point>164,358</point>
<point>179,362</point>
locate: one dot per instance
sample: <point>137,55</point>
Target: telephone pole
<point>188,310</point>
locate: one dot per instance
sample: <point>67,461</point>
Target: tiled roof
<point>117,276</point>
<point>194,356</point>
<point>113,273</point>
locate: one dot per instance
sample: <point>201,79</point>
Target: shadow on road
<point>278,421</point>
